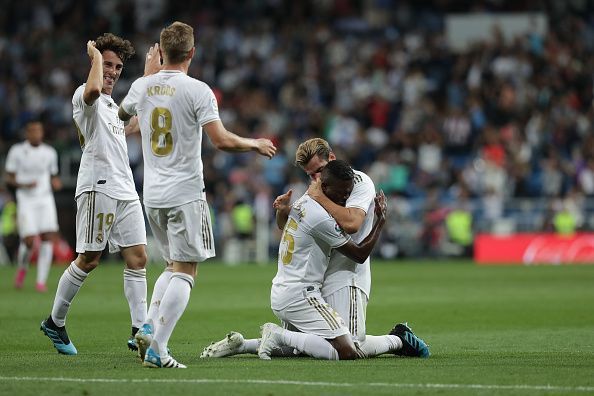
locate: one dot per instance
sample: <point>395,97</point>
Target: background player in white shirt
<point>173,109</point>
<point>32,169</point>
<point>108,207</point>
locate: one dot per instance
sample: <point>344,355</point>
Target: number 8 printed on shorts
<point>161,137</point>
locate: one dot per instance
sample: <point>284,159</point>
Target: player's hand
<point>27,186</point>
<point>132,126</point>
<point>92,50</point>
<point>152,63</point>
<point>381,205</point>
<point>56,183</point>
<point>283,201</point>
<point>265,147</point>
<point>315,189</point>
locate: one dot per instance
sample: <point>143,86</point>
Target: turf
<point>492,330</point>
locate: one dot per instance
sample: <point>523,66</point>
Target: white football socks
<point>312,345</point>
<point>69,284</point>
<point>135,291</point>
<point>158,292</point>
<point>378,345</point>
<point>250,346</point>
<point>173,305</point>
<point>23,256</point>
<point>44,261</point>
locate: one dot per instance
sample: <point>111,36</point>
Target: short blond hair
<point>311,148</point>
<point>176,41</point>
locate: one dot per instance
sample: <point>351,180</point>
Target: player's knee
<point>47,236</point>
<point>347,353</point>
<point>28,241</point>
<point>137,261</point>
<point>87,262</point>
<point>346,350</point>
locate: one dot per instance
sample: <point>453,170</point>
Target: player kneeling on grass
<point>401,342</point>
<point>308,237</point>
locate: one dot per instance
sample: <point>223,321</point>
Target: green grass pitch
<point>492,330</point>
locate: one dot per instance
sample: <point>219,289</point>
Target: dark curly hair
<point>338,170</point>
<point>122,48</point>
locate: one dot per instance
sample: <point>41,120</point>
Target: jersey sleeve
<point>207,108</point>
<point>81,111</point>
<point>78,102</point>
<point>11,164</point>
<point>53,162</point>
<point>363,193</point>
<point>330,232</point>
<point>130,102</point>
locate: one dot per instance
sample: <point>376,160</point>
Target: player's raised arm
<point>282,205</point>
<point>95,79</point>
<point>228,141</point>
<point>152,62</point>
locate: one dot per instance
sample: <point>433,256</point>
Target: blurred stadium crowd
<point>502,130</point>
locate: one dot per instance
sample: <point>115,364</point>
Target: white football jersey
<point>32,164</point>
<point>343,271</point>
<point>104,166</point>
<point>172,107</point>
<point>309,236</point>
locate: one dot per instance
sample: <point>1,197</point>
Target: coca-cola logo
<point>532,248</point>
<point>556,250</point>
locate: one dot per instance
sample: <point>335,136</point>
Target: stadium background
<point>500,129</point>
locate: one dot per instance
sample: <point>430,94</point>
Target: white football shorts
<point>101,219</point>
<point>36,216</point>
<point>313,315</point>
<point>183,233</point>
<point>351,304</point>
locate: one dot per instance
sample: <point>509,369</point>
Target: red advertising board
<point>534,249</point>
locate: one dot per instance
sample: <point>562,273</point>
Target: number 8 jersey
<point>172,108</point>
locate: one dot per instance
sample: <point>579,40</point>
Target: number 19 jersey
<point>104,165</point>
<point>172,108</point>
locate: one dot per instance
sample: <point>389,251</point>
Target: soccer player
<point>108,207</point>
<point>309,236</point>
<point>32,169</point>
<point>347,284</point>
<point>173,109</point>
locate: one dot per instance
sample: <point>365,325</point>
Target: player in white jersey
<point>309,236</point>
<point>346,284</point>
<point>173,109</point>
<point>108,207</point>
<point>32,169</point>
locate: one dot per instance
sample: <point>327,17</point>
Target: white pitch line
<point>552,388</point>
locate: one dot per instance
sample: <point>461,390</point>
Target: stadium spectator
<point>9,230</point>
<point>173,110</point>
<point>294,68</point>
<point>108,207</point>
<point>32,169</point>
